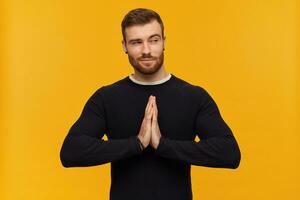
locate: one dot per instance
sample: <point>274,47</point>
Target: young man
<point>151,119</point>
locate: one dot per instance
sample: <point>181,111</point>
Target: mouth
<point>146,59</point>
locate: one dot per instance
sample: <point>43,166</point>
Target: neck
<point>157,76</point>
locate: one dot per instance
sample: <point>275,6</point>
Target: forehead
<point>143,31</point>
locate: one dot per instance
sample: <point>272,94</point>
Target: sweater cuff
<point>162,145</point>
<point>136,148</point>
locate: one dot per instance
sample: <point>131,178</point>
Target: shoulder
<point>108,89</point>
<point>196,94</point>
<point>197,91</point>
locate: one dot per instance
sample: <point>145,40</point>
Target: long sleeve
<point>217,146</point>
<point>84,146</point>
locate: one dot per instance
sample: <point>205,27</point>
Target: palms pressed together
<point>150,132</point>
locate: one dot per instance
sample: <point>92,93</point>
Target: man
<point>151,119</point>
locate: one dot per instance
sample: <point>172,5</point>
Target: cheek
<point>135,53</point>
<point>157,47</point>
<point>156,51</point>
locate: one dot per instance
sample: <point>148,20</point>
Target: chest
<point>176,115</point>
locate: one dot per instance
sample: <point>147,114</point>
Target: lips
<point>147,62</point>
<point>146,59</point>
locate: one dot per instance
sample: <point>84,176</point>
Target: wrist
<point>159,141</point>
<point>140,143</point>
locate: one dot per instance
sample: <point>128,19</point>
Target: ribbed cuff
<point>136,148</point>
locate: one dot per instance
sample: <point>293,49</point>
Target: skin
<point>155,131</point>
<point>149,131</point>
<point>145,42</point>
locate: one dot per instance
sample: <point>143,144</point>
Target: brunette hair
<point>140,16</point>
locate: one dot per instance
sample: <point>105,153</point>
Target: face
<point>145,47</point>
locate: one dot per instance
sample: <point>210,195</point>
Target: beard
<point>147,70</point>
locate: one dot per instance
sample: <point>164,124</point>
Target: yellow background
<point>56,53</point>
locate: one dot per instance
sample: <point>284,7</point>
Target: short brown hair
<point>140,16</point>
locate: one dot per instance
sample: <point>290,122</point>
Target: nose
<point>146,48</point>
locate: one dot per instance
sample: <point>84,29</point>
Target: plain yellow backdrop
<point>56,53</point>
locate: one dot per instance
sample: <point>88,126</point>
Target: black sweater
<point>184,111</point>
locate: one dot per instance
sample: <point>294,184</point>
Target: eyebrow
<point>151,36</point>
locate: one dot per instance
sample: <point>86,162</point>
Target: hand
<point>155,131</point>
<point>145,130</point>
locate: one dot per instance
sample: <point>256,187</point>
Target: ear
<point>124,46</point>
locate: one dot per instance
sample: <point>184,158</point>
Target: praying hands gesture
<point>149,132</point>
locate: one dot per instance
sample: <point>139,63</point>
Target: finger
<point>150,111</point>
<point>149,116</point>
<point>152,106</point>
<point>154,118</point>
<point>148,104</point>
<point>156,108</point>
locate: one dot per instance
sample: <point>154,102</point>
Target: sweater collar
<point>150,83</point>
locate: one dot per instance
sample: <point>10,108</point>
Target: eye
<point>136,42</point>
<point>155,40</point>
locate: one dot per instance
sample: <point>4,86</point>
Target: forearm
<point>218,152</point>
<point>82,150</point>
